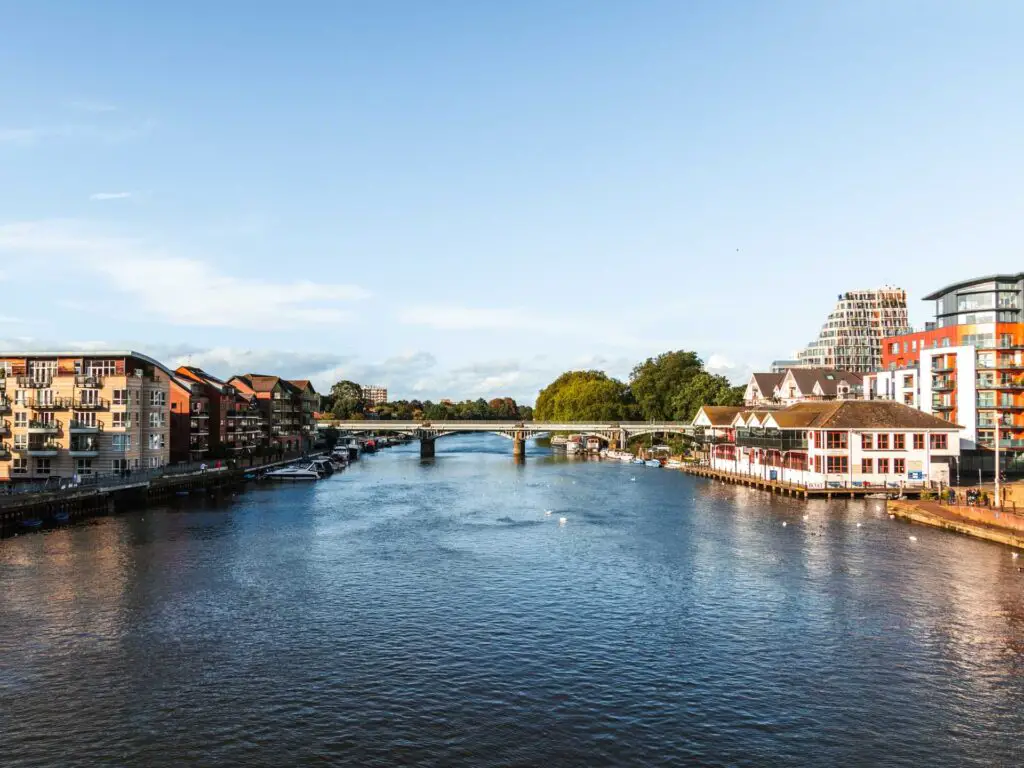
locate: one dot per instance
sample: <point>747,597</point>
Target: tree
<point>347,399</point>
<point>704,389</point>
<point>657,381</point>
<point>584,395</point>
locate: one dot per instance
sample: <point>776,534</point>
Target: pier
<point>801,491</point>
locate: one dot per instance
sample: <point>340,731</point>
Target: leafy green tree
<point>657,381</point>
<point>704,389</point>
<point>347,400</point>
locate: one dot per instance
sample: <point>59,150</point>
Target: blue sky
<point>464,199</point>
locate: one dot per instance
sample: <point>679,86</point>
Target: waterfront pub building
<point>833,444</point>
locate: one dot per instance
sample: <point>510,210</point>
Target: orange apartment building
<point>211,418</point>
<point>967,366</point>
<point>70,413</point>
<point>287,409</point>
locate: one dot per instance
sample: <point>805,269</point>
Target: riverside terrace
<point>616,434</point>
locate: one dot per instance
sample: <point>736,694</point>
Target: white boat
<point>572,448</point>
<point>638,461</point>
<point>307,472</point>
<point>559,440</point>
<point>652,463</point>
<point>324,466</point>
<point>673,464</point>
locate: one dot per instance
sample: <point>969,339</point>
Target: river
<point>410,613</point>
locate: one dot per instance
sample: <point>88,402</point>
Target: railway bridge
<point>427,432</point>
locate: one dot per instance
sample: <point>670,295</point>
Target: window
<point>19,467</point>
<point>86,418</point>
<point>899,442</point>
<point>894,348</point>
<point>156,420</point>
<point>157,398</point>
<point>89,396</point>
<point>867,442</point>
<point>102,367</point>
<point>19,396</point>
<point>42,466</point>
<point>21,419</point>
<point>837,465</point>
<point>120,420</point>
<point>817,464</point>
<point>867,466</point>
<point>20,442</point>
<point>83,466</point>
<point>155,461</point>
<point>899,466</point>
<point>883,466</point>
<point>120,397</point>
<point>835,440</point>
<point>156,441</point>
<point>939,441</point>
<point>883,442</point>
<point>119,465</point>
<point>918,442</point>
<point>121,443</point>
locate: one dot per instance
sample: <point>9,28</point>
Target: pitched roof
<point>767,382</point>
<point>857,414</point>
<point>721,415</point>
<point>302,384</point>
<point>827,378</point>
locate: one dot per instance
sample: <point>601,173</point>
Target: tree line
<point>345,401</point>
<point>669,387</point>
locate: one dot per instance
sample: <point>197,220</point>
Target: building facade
<point>851,338</point>
<point>840,444</point>
<point>797,385</point>
<point>286,409</point>
<point>69,413</point>
<point>211,418</point>
<point>968,366</point>
<point>374,395</point>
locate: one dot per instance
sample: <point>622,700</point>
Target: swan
<point>547,511</point>
<point>783,523</point>
<point>563,520</point>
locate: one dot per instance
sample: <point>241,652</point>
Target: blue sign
<point>773,475</point>
<point>915,475</point>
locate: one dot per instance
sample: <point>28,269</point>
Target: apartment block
<point>69,413</point>
<point>797,385</point>
<point>851,338</point>
<point>286,407</point>
<point>374,395</point>
<point>212,418</point>
<point>967,366</point>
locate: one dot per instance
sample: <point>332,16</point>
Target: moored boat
<point>305,472</point>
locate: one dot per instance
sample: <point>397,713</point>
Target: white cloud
<point>719,363</point>
<point>104,134</point>
<point>444,317</point>
<point>110,195</point>
<point>176,289</point>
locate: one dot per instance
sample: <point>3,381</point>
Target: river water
<point>408,613</point>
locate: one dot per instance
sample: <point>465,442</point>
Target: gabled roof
<point>198,374</point>
<point>858,414</point>
<point>303,385</point>
<point>767,382</point>
<point>720,415</point>
<point>827,379</point>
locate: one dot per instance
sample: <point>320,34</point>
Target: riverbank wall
<point>1000,526</point>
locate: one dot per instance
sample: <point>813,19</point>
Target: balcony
<point>84,448</point>
<point>5,428</point>
<point>1004,444</point>
<point>200,415</point>
<point>93,404</point>
<point>43,450</point>
<point>943,406</point>
<point>85,427</point>
<point>34,382</point>
<point>943,386</point>
<point>5,405</point>
<point>51,404</point>
<point>88,382</point>
<point>44,427</point>
<point>5,452</point>
<point>943,368</point>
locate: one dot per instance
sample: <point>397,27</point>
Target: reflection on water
<point>410,612</point>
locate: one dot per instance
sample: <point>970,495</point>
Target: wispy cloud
<point>104,134</point>
<point>86,105</point>
<point>179,289</point>
<point>110,195</point>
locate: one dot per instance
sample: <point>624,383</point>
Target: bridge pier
<point>519,445</point>
<point>427,447</point>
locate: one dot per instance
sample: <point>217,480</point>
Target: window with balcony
<point>86,418</point>
<point>899,466</point>
<point>867,466</point>
<point>939,441</point>
<point>84,443</point>
<point>101,367</point>
<point>42,466</point>
<point>83,466</point>
<point>837,465</point>
<point>883,466</point>
<point>119,397</point>
<point>918,442</point>
<point>89,396</point>
<point>899,442</point>
<point>882,442</point>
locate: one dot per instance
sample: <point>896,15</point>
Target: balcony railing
<point>5,451</point>
<point>943,386</point>
<point>85,426</point>
<point>52,427</point>
<point>34,382</point>
<point>5,405</point>
<point>5,427</point>
<point>95,404</point>
<point>88,382</point>
<point>51,404</point>
<point>943,369</point>
<point>777,439</point>
<point>943,406</point>
<point>43,449</point>
<point>1003,443</point>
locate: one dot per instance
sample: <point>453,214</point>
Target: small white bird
<point>563,520</point>
<point>1016,555</point>
<point>547,512</point>
<point>783,523</point>
<point>913,538</point>
<point>858,525</point>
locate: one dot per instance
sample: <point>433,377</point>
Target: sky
<point>465,199</point>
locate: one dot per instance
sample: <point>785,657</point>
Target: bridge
<point>616,434</point>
